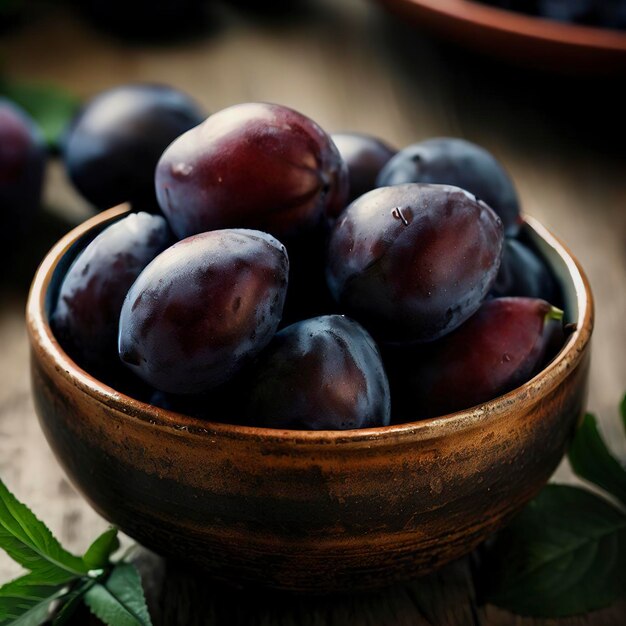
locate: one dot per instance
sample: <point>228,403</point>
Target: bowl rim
<point>473,13</point>
<point>48,349</point>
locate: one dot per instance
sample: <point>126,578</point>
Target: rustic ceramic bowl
<point>298,510</point>
<point>523,39</point>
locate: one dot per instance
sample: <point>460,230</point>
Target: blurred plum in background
<point>114,143</point>
<point>22,164</point>
<point>607,13</point>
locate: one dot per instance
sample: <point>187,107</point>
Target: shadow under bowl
<point>307,511</point>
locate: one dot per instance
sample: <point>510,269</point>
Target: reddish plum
<point>499,348</point>
<point>22,161</point>
<point>254,165</point>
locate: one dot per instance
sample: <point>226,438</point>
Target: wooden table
<point>349,66</point>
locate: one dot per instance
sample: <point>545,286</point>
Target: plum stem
<point>554,314</point>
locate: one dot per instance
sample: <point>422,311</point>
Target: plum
<point>22,163</point>
<point>365,155</point>
<point>523,273</point>
<point>500,347</point>
<point>323,373</point>
<point>86,317</point>
<point>608,13</point>
<point>457,162</point>
<point>253,165</point>
<point>113,145</point>
<point>412,262</point>
<point>203,308</point>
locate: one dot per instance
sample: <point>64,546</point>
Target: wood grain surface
<point>350,67</point>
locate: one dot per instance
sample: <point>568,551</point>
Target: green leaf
<point>26,602</point>
<point>71,602</point>
<point>29,542</point>
<point>591,460</point>
<point>565,554</point>
<point>98,553</point>
<point>120,600</point>
<point>51,107</point>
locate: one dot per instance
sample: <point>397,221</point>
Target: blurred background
<point>556,122</point>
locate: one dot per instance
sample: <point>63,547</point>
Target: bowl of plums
<point>564,35</point>
<point>297,360</point>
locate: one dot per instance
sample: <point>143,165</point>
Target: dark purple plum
<point>22,163</point>
<point>113,145</point>
<point>611,13</point>
<point>365,156</point>
<point>323,373</point>
<point>253,165</point>
<point>522,273</point>
<point>499,348</point>
<point>457,162</point>
<point>86,317</point>
<point>203,308</point>
<point>608,13</point>
<point>568,10</point>
<point>413,262</point>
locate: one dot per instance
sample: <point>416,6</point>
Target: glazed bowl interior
<point>307,511</point>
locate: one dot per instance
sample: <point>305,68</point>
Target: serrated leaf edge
<point>138,619</point>
<point>9,500</point>
<point>57,592</point>
<point>71,599</point>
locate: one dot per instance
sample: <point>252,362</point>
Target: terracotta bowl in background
<point>298,510</point>
<point>524,39</point>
